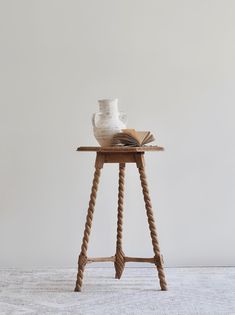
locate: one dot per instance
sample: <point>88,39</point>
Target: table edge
<point>118,149</point>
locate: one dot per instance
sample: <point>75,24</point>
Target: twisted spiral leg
<point>120,257</point>
<point>83,255</point>
<point>152,227</point>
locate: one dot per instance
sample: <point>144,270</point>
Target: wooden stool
<point>120,155</point>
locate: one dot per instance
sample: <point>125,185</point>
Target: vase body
<point>108,121</point>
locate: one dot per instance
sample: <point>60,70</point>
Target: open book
<point>133,138</point>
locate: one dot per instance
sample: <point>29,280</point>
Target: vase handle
<point>93,120</point>
<point>123,117</point>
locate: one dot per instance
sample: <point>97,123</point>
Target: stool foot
<point>119,263</point>
<point>162,280</point>
<point>82,260</point>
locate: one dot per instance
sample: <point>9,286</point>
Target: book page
<point>143,136</point>
<point>149,138</point>
<point>140,136</point>
<point>131,132</point>
<point>132,137</point>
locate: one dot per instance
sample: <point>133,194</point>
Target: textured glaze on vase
<point>108,121</point>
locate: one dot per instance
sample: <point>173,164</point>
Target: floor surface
<point>49,291</point>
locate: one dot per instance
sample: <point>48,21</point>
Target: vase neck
<point>108,106</point>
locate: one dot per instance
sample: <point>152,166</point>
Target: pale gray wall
<point>171,64</point>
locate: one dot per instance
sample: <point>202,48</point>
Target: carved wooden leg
<point>120,257</point>
<point>82,259</point>
<point>151,222</point>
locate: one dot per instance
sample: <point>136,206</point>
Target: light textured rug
<point>191,291</point>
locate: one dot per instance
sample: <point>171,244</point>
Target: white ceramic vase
<point>108,121</point>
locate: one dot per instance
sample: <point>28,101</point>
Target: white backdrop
<point>172,66</point>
